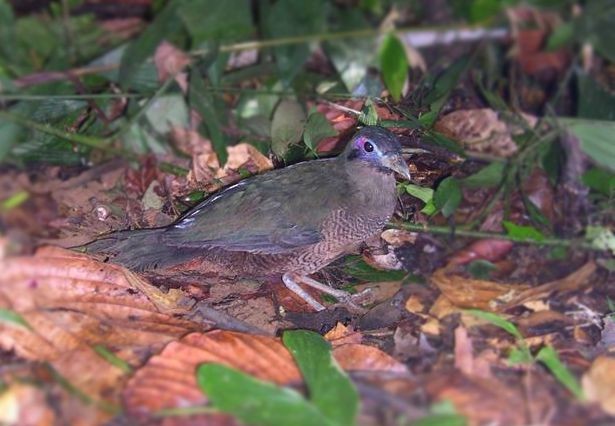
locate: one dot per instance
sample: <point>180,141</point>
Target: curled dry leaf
<point>246,156</point>
<point>341,335</point>
<point>71,304</point>
<point>479,130</point>
<point>357,357</point>
<point>599,383</point>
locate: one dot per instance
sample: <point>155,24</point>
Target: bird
<point>291,221</point>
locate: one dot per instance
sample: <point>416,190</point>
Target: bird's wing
<point>273,213</point>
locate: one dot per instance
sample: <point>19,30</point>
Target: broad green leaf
<point>522,232</point>
<point>294,18</point>
<point>600,180</point>
<point>549,357</point>
<point>316,129</point>
<point>253,401</point>
<point>561,36</point>
<point>203,101</point>
<point>351,56</point>
<point>215,20</point>
<point>596,140</point>
<point>356,267</point>
<point>448,196</point>
<point>423,194</point>
<point>330,388</point>
<point>165,23</point>
<point>496,320</point>
<point>393,65</point>
<point>487,177</point>
<point>286,126</point>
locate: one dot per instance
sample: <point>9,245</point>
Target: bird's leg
<point>343,296</point>
<point>290,281</point>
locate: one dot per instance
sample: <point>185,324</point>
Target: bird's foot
<point>349,300</point>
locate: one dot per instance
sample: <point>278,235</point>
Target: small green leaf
<point>481,268</point>
<point>549,357</point>
<point>14,200</point>
<point>369,114</point>
<point>561,36</point>
<point>329,386</point>
<point>601,238</point>
<point>218,21</point>
<point>394,65</point>
<point>487,177</point>
<point>253,401</point>
<point>112,359</point>
<point>13,318</point>
<point>356,267</point>
<point>596,140</point>
<point>316,129</point>
<point>496,320</point>
<point>423,194</point>
<point>448,196</point>
<point>600,180</point>
<point>286,126</point>
<point>520,355</point>
<point>522,232</point>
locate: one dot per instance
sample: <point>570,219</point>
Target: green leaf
<point>596,140</point>
<point>286,126</point>
<point>369,113</point>
<point>15,200</point>
<point>112,359</point>
<point>356,267</point>
<point>253,401</point>
<point>352,56</point>
<point>393,65</point>
<point>203,102</point>
<point>218,21</point>
<point>549,357</point>
<point>316,129</point>
<point>448,196</point>
<point>520,355</point>
<point>522,232</point>
<point>487,177</point>
<point>561,36</point>
<point>330,388</point>
<point>423,194</point>
<point>597,26</point>
<point>600,180</point>
<point>166,22</point>
<point>481,268</point>
<point>13,318</point>
<point>496,320</point>
<point>595,101</point>
<point>294,18</point>
<point>601,238</point>
<point>442,413</point>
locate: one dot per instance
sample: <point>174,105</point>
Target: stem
<point>445,230</point>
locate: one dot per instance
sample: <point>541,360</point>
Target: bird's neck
<point>370,179</point>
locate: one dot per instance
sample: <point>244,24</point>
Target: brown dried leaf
<point>246,156</point>
<point>599,383</point>
<point>366,358</point>
<point>488,249</point>
<point>478,130</point>
<point>472,293</point>
<point>169,62</point>
<point>72,303</point>
<point>341,335</point>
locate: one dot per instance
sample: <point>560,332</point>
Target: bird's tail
<point>138,250</point>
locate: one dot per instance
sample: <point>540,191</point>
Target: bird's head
<point>378,148</point>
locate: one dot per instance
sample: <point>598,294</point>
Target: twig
<point>444,230</point>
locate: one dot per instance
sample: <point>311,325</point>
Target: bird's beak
<point>396,163</point>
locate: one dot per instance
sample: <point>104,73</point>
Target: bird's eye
<point>368,147</point>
